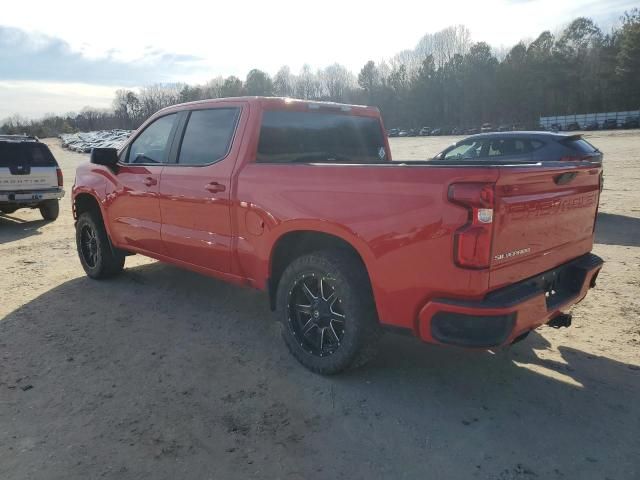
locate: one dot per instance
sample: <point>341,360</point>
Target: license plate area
<point>27,196</point>
<point>559,285</point>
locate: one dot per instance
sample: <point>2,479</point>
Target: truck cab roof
<point>277,103</point>
<point>19,138</point>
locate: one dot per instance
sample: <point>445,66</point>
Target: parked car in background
<point>29,176</point>
<point>486,127</point>
<point>393,132</point>
<point>522,146</point>
<point>253,191</point>
<point>457,131</point>
<point>610,124</point>
<point>591,126</point>
<point>425,131</point>
<point>436,132</point>
<point>572,126</point>
<point>471,131</point>
<point>631,122</point>
<point>413,132</point>
<point>555,127</point>
<point>403,133</point>
<point>504,128</point>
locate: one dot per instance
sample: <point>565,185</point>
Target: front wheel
<point>96,255</point>
<point>326,306</point>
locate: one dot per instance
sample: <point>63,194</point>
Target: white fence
<point>587,118</point>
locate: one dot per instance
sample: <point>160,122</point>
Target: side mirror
<point>106,156</point>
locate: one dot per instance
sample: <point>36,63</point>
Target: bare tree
<point>158,96</point>
<point>336,81</point>
<point>284,82</point>
<point>307,85</point>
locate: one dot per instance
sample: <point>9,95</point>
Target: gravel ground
<point>164,374</point>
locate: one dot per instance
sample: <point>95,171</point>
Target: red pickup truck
<point>303,200</point>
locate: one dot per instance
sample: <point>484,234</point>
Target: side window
<point>521,146</point>
<point>496,148</point>
<point>208,135</point>
<point>464,151</point>
<point>536,144</point>
<point>152,145</point>
<point>509,146</point>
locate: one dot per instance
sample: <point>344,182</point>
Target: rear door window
<point>536,145</point>
<point>319,137</point>
<point>505,147</point>
<point>25,153</point>
<point>207,138</point>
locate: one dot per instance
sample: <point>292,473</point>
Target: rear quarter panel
<point>397,218</point>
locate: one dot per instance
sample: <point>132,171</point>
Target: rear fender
<point>314,226</point>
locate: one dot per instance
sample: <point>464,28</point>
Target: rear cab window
<point>33,154</point>
<point>320,137</point>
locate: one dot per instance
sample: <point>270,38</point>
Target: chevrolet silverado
<point>302,199</point>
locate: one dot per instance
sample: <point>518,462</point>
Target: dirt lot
<point>165,374</point>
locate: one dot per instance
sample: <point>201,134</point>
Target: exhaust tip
<point>561,320</point>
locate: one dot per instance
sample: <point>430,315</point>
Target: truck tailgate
<point>26,166</point>
<point>36,178</point>
<point>543,218</point>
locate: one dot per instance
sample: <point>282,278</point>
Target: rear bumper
<point>510,312</point>
<point>28,197</point>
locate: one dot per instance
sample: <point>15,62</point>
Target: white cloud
<point>229,38</point>
<point>34,99</point>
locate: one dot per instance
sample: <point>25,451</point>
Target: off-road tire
<point>361,332</point>
<point>49,209</point>
<point>107,262</point>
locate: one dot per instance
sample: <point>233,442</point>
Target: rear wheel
<point>49,209</point>
<point>97,257</point>
<point>328,313</point>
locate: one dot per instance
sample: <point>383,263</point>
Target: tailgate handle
<point>564,178</point>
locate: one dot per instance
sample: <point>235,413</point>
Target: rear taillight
<point>472,242</point>
<point>60,178</point>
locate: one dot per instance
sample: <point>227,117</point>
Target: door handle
<point>215,187</point>
<point>150,181</point>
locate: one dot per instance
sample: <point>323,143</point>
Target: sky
<point>59,56</point>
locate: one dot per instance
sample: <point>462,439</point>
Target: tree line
<point>447,80</point>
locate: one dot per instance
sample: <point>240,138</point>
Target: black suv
<point>29,176</point>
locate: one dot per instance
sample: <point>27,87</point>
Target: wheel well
<point>295,244</point>
<point>86,202</point>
